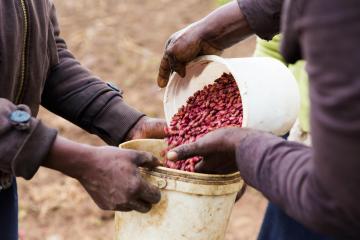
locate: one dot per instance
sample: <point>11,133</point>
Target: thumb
<point>176,65</point>
<point>164,72</point>
<point>184,152</point>
<point>145,159</point>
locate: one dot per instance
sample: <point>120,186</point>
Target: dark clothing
<point>317,186</point>
<point>37,68</point>
<point>279,226</point>
<point>9,213</point>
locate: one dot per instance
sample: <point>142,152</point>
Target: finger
<point>205,166</point>
<point>212,165</point>
<point>149,193</point>
<point>145,159</point>
<point>207,49</point>
<point>121,208</point>
<point>164,72</point>
<point>241,192</point>
<point>184,152</point>
<point>200,167</point>
<point>139,206</point>
<point>176,65</point>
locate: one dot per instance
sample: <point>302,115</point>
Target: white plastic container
<point>198,206</point>
<point>193,206</point>
<point>268,90</point>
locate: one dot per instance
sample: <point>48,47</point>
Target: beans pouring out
<point>216,106</point>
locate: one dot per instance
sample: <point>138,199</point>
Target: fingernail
<point>162,83</point>
<point>171,155</point>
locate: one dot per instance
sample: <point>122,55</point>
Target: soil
<point>121,41</point>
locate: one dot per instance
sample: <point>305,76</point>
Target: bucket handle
<point>161,183</point>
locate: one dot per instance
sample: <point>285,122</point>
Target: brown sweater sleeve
<point>263,16</point>
<point>74,93</point>
<point>318,186</point>
<point>22,150</point>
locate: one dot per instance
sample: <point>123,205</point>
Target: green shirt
<point>271,49</point>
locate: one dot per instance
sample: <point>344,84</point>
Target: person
<point>277,225</point>
<point>317,186</point>
<point>37,68</point>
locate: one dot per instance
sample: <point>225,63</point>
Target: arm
<point>108,174</point>
<point>219,30</point>
<point>317,186</point>
<point>72,92</point>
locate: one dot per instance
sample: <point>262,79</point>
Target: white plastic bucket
<point>193,206</point>
<point>268,90</point>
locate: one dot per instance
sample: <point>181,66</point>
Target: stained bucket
<point>269,92</point>
<point>193,206</point>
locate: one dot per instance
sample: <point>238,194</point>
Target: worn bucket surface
<point>193,205</point>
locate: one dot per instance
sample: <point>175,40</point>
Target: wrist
<point>70,158</point>
<point>84,162</point>
<point>225,26</point>
<point>135,128</point>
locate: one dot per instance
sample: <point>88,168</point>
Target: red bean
<point>215,106</point>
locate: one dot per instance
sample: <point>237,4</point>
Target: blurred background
<point>122,42</point>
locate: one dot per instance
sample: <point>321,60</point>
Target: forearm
<point>237,20</point>
<point>108,174</point>
<point>277,168</point>
<point>284,172</point>
<point>225,26</point>
<point>68,157</point>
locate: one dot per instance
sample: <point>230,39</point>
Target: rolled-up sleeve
<point>318,186</point>
<point>22,150</point>
<point>263,16</point>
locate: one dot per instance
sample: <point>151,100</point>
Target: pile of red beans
<point>217,105</point>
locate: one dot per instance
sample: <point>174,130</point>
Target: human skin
<point>110,175</point>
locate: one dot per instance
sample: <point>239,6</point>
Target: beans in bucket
<point>216,92</point>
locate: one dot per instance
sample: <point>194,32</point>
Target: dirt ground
<point>121,41</point>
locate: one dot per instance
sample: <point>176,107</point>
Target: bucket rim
<point>206,59</point>
<point>179,174</point>
<point>191,177</point>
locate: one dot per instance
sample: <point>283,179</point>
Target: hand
<point>109,174</point>
<point>221,29</point>
<point>181,48</point>
<point>114,181</point>
<point>147,128</point>
<point>218,149</point>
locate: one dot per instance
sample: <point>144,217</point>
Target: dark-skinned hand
<point>217,149</point>
<point>181,48</point>
<point>147,127</point>
<point>114,181</point>
<point>210,36</point>
<point>109,174</point>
